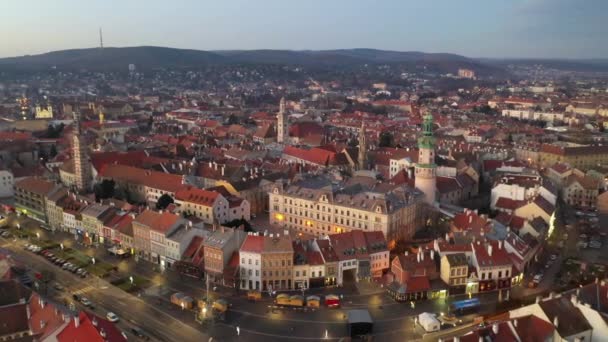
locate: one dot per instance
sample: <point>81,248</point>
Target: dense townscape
<point>263,201</point>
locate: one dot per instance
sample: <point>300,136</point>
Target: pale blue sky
<point>476,28</point>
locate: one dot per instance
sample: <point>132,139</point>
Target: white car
<point>112,317</point>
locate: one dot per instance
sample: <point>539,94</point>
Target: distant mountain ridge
<point>152,57</point>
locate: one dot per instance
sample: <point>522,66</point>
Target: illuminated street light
<point>61,246</point>
<point>326,334</point>
<point>131,280</point>
<point>204,311</point>
<point>38,236</point>
<point>93,261</point>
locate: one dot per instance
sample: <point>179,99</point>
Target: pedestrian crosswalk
<point>84,290</point>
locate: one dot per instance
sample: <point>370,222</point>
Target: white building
<point>7,184</point>
<point>250,266</point>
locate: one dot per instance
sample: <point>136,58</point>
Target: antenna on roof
<point>100,39</point>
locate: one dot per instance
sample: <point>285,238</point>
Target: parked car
<point>58,287</point>
<point>595,244</point>
<point>112,317</point>
<point>86,302</point>
<point>139,334</point>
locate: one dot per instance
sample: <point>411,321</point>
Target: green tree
<point>53,151</point>
<point>105,189</point>
<point>164,201</point>
<point>386,139</point>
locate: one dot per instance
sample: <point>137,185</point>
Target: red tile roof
<point>196,195</point>
<point>417,284</point>
<point>507,203</point>
<point>499,256</point>
<point>159,222</point>
<point>253,244</point>
<point>154,179</point>
<point>36,185</point>
<point>44,317</point>
<point>447,185</point>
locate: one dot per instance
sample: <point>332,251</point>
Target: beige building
<point>30,197</point>
<point>454,269</point>
<point>581,192</point>
<point>218,249</point>
<point>274,254</point>
<point>317,207</point>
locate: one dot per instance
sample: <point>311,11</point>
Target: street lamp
<point>61,245</point>
<point>93,261</point>
<point>131,280</point>
<point>204,311</point>
<point>38,236</point>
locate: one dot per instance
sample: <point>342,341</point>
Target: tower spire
<point>100,39</point>
<point>362,160</point>
<point>426,170</point>
<point>282,124</point>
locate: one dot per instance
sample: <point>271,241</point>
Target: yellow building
<point>322,210</point>
<point>577,156</point>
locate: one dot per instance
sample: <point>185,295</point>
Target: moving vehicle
<point>86,302</point>
<point>332,301</point>
<point>254,295</point>
<point>139,334</point>
<point>287,300</point>
<point>313,301</point>
<point>429,322</point>
<point>463,307</point>
<point>359,322</point>
<point>112,317</point>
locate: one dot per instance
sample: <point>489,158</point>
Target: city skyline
<point>473,29</point>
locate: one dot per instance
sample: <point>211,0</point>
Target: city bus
<point>463,307</point>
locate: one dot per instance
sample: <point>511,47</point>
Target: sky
<point>474,28</point>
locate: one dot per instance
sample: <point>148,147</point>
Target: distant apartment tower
<point>82,167</point>
<point>426,169</point>
<point>282,124</point>
<point>466,73</point>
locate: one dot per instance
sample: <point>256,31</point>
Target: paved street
<point>153,312</point>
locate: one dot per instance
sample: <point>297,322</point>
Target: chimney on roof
<point>515,323</point>
<point>470,218</point>
<point>495,328</point>
<point>499,244</point>
<point>76,321</point>
<point>418,257</point>
<point>94,321</point>
<point>421,255</point>
<point>556,322</point>
<point>405,253</point>
<point>432,254</point>
<point>490,250</point>
<point>223,168</point>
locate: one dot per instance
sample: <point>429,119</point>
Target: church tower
<point>282,125</point>
<point>362,158</point>
<point>426,170</point>
<point>82,167</point>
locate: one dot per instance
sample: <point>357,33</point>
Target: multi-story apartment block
<point>317,207</point>
<point>149,229</point>
<point>275,254</point>
<point>93,219</point>
<point>209,206</point>
<point>492,264</point>
<point>454,271</point>
<point>143,185</point>
<point>219,247</point>
<point>30,197</point>
<point>7,183</point>
<point>577,156</point>
<point>581,192</point>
